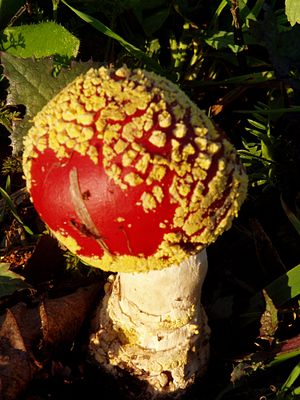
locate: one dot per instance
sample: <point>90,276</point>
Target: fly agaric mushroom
<point>133,178</point>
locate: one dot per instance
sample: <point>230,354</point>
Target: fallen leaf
<point>28,332</point>
<point>62,318</point>
<point>17,365</point>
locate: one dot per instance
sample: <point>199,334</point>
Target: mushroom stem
<point>154,326</point>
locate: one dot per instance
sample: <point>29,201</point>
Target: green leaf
<point>10,281</point>
<point>133,50</point>
<point>40,40</point>
<point>291,378</point>
<point>285,287</point>
<point>222,40</point>
<point>280,42</point>
<point>292,11</point>
<point>281,290</point>
<point>33,84</point>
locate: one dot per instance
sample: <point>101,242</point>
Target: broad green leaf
<point>32,83</point>
<point>292,11</point>
<point>281,290</point>
<point>286,287</point>
<point>10,281</point>
<point>40,40</point>
<point>244,11</point>
<point>222,40</point>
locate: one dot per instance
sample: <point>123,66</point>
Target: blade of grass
<point>291,378</point>
<point>133,50</point>
<point>257,7</point>
<point>13,210</point>
<point>272,111</point>
<point>291,216</point>
<point>244,80</point>
<point>217,13</point>
<point>284,356</point>
<point>8,184</point>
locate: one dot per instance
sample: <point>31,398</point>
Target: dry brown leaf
<point>17,365</point>
<point>268,320</point>
<point>62,318</point>
<point>46,327</point>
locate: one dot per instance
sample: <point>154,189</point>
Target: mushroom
<point>132,177</point>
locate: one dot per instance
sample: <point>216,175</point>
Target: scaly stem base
<point>153,325</point>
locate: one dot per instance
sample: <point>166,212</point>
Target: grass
<point>239,61</point>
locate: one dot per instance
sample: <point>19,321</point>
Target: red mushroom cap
<point>128,173</point>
